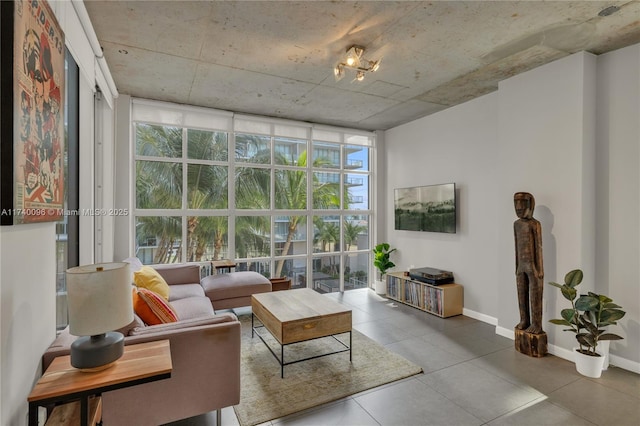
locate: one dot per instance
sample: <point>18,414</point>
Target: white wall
<point>28,321</point>
<point>28,255</point>
<point>546,133</point>
<point>1,334</point>
<point>618,191</point>
<point>549,132</point>
<point>457,145</point>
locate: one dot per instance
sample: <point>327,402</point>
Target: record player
<point>431,275</point>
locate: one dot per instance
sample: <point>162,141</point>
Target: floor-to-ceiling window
<point>281,198</point>
<point>67,250</point>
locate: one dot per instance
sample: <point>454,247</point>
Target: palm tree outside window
<point>204,194</point>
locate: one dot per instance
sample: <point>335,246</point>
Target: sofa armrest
<point>205,374</point>
<point>205,377</point>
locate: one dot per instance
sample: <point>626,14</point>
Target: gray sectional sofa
<point>205,352</point>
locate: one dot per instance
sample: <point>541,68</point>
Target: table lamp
<point>99,299</point>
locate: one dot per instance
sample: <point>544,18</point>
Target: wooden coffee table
<point>299,315</point>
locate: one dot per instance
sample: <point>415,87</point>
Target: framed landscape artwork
<point>32,88</point>
<point>426,208</point>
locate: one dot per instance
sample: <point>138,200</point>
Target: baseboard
<point>480,317</point>
<point>563,353</point>
<point>505,332</point>
<point>624,363</point>
<point>614,360</point>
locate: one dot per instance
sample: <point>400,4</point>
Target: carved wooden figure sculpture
<point>530,338</point>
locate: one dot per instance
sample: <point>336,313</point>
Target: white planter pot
<point>590,366</point>
<point>381,287</point>
<point>603,348</point>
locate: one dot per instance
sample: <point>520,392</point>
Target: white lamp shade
<point>99,298</point>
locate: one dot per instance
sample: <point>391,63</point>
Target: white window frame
<point>166,114</point>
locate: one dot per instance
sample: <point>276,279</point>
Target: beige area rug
<point>265,396</point>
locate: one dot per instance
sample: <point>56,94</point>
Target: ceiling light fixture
<point>354,60</point>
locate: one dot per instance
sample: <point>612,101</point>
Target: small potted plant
<point>586,318</point>
<point>382,261</point>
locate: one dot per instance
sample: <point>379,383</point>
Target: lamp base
<point>98,352</point>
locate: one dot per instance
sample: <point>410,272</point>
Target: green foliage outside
<point>159,185</point>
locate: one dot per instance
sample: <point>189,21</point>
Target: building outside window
<point>279,198</point>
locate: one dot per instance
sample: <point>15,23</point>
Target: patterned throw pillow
<point>149,278</point>
<point>152,308</point>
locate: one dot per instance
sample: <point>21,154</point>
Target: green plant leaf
<point>610,336</point>
<point>573,278</point>
<point>604,299</point>
<point>560,322</point>
<point>568,292</point>
<point>586,339</point>
<point>610,305</point>
<point>555,284</point>
<point>587,303</point>
<point>611,315</point>
<point>568,315</point>
<point>382,247</point>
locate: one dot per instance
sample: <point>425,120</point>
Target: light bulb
<point>353,56</point>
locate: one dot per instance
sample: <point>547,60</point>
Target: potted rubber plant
<point>382,262</point>
<point>587,318</point>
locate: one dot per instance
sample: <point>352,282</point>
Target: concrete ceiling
<point>276,58</point>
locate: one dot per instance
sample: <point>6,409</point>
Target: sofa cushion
<point>185,290</point>
<point>179,273</point>
<point>137,322</point>
<point>152,308</point>
<point>234,284</point>
<point>194,322</point>
<point>193,307</point>
<point>149,278</point>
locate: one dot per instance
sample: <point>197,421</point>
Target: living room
<point>565,131</point>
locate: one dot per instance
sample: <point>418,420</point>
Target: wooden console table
<point>62,383</point>
<point>444,300</point>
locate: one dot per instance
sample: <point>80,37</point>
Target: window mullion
<point>185,195</point>
<point>231,194</point>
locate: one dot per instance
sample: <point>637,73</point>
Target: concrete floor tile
<point>466,347</point>
<point>540,413</point>
<point>620,380</point>
<point>479,392</point>
<point>429,357</point>
<point>412,402</point>
<point>344,412</point>
<point>381,331</point>
<point>598,403</point>
<point>545,374</point>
